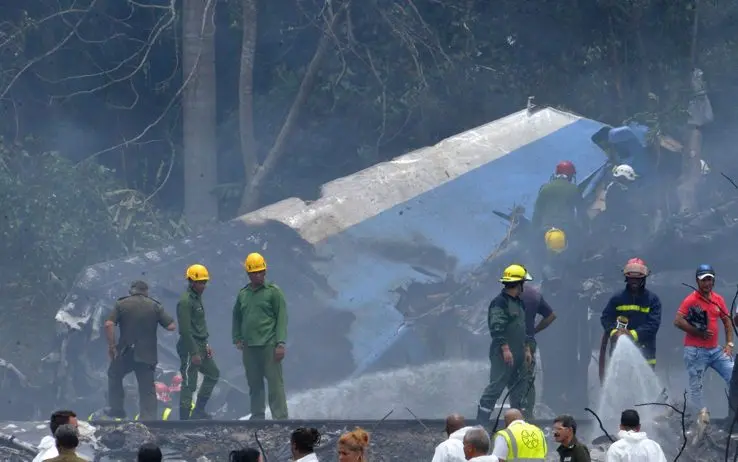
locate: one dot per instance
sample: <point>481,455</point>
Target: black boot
<point>184,412</point>
<point>483,415</point>
<point>199,412</point>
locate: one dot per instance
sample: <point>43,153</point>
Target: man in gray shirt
<point>534,304</point>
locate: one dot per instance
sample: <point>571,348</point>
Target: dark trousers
<point>260,365</point>
<point>733,398</point>
<point>123,365</point>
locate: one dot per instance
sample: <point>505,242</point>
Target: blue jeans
<point>697,361</point>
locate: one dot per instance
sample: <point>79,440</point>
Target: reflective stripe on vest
<point>165,414</point>
<point>525,442</point>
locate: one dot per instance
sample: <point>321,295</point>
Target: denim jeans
<point>697,361</point>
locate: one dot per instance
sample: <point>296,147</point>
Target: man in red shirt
<point>698,317</point>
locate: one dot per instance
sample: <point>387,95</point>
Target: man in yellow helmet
<point>506,321</point>
<point>194,351</point>
<point>260,332</point>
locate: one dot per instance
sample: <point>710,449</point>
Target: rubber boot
<point>199,412</point>
<point>483,415</point>
<point>184,413</point>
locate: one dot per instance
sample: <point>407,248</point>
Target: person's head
<point>197,276</point>
<point>476,442</point>
<point>149,452</point>
<point>511,415</point>
<point>245,455</point>
<point>62,417</point>
<point>635,272</point>
<point>139,288</point>
<point>565,169</point>
<point>303,441</point>
<point>564,429</point>
<point>66,437</point>
<point>513,279</point>
<point>255,266</point>
<point>454,422</point>
<point>353,445</point>
<point>624,173</point>
<point>705,275</point>
<point>630,420</point>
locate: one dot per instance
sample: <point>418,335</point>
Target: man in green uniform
<point>506,321</point>
<point>559,203</point>
<point>194,352</point>
<point>137,316</point>
<point>260,332</point>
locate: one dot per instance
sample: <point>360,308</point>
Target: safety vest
<point>525,442</point>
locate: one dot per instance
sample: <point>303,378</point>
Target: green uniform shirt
<point>137,317</point>
<point>193,328</point>
<point>506,321</point>
<point>260,316</point>
<point>556,204</point>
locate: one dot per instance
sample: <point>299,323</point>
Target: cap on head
<point>255,263</point>
<point>197,272</point>
<point>705,271</point>
<point>635,268</point>
<point>515,273</point>
<point>555,240</point>
<point>566,167</point>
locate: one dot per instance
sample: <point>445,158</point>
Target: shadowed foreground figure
<point>519,440</point>
<point>302,444</point>
<point>149,452</point>
<point>47,447</point>
<point>67,441</point>
<point>476,446</point>
<point>633,444</point>
<point>245,455</point>
<point>565,433</point>
<point>452,450</point>
<point>353,446</point>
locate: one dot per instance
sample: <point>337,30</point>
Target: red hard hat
<point>635,267</point>
<point>566,167</point>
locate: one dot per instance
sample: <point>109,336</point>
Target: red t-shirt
<point>713,315</point>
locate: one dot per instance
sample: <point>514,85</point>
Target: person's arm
<point>681,323</point>
<point>236,334</point>
<point>110,324</point>
<point>545,310</point>
<point>165,320</point>
<point>280,306</point>
<point>581,454</point>
<point>184,320</point>
<point>649,328</point>
<point>500,448</point>
<point>497,323</point>
<point>608,316</point>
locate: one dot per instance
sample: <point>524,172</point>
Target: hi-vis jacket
<point>643,311</point>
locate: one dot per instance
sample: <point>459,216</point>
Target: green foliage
<point>59,217</point>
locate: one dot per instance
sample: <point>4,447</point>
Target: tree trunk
<point>198,112</point>
<point>246,90</point>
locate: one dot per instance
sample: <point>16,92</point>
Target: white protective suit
<point>452,450</point>
<point>47,447</point>
<point>634,447</point>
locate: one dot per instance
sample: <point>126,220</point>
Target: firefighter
<point>194,351</point>
<point>634,312</point>
<point>506,321</point>
<point>559,203</point>
<point>260,332</point>
<point>137,315</point>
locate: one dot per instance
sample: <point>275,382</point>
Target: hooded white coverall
<point>634,447</point>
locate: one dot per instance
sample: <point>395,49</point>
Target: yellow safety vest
<point>525,442</point>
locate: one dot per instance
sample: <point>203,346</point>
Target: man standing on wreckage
<point>635,312</point>
<point>508,355</point>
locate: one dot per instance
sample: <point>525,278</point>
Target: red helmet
<point>635,268</point>
<point>566,167</point>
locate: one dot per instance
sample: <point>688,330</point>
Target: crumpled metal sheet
<point>345,259</point>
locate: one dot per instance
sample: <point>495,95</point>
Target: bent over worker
<point>506,321</point>
<point>194,351</point>
<point>137,316</point>
<point>260,332</point>
<point>635,312</point>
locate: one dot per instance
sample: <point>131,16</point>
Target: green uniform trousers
<point>502,376</point>
<point>529,382</point>
<point>189,371</point>
<point>259,364</point>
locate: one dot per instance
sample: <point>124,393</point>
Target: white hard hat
<point>624,171</point>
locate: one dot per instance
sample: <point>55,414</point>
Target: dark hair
<point>244,455</point>
<point>60,418</point>
<point>567,421</point>
<point>630,419</point>
<point>66,437</point>
<point>149,452</point>
<point>305,439</point>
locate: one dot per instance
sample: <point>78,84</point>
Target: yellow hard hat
<point>255,263</point>
<point>515,273</point>
<point>197,272</point>
<point>555,240</point>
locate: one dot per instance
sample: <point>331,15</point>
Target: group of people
<point>259,332</point>
<point>66,433</point>
<point>635,312</point>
